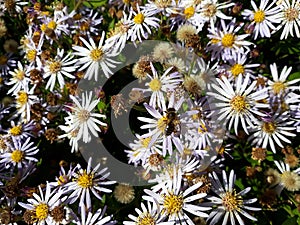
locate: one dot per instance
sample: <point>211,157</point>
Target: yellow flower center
<point>291,14</point>
<point>96,54</point>
<point>189,12</point>
<point>145,142</point>
<point>54,66</point>
<point>269,127</point>
<point>237,69</point>
<point>173,204</point>
<point>16,130</point>
<point>83,115</point>
<point>210,10</point>
<point>202,128</point>
<point>259,16</point>
<point>145,219</point>
<point>228,40</point>
<point>43,27</point>
<point>17,155</point>
<point>31,54</point>
<point>19,75</point>
<point>51,25</point>
<point>126,2</point>
<point>139,18</point>
<point>278,87</point>
<point>231,201</point>
<point>155,84</point>
<point>22,98</point>
<point>85,180</point>
<point>239,104</point>
<point>162,123</point>
<point>41,211</point>
<point>62,180</point>
<point>3,60</point>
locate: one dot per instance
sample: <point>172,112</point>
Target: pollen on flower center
<point>237,69</point>
<point>259,16</point>
<point>20,75</point>
<point>16,130</point>
<point>139,18</point>
<point>3,60</point>
<point>54,66</point>
<point>41,211</point>
<point>162,123</point>
<point>22,97</point>
<point>239,103</point>
<point>231,201</point>
<point>228,40</point>
<point>269,127</point>
<point>83,115</point>
<point>96,54</point>
<point>189,12</point>
<point>85,180</point>
<point>145,219</point>
<point>31,54</point>
<point>210,10</point>
<point>278,87</point>
<point>145,141</point>
<point>173,203</point>
<point>155,84</point>
<point>51,25</point>
<point>291,14</point>
<point>17,155</point>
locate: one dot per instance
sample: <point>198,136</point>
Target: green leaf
<point>290,221</point>
<point>101,106</point>
<point>294,76</point>
<point>95,3</point>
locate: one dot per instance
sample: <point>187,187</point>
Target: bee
<point>172,122</point>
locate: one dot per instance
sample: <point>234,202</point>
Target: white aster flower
<point>273,130</point>
<point>290,18</point>
<point>95,58</point>
<point>236,103</point>
<point>280,85</point>
<point>148,215</point>
<point>20,154</point>
<point>55,69</point>
<point>142,23</point>
<point>174,202</point>
<point>86,181</point>
<point>229,204</point>
<point>42,205</point>
<point>225,42</point>
<point>263,18</point>
<point>97,218</point>
<point>19,79</point>
<point>82,119</point>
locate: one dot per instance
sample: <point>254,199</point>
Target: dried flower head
<point>186,32</point>
<point>258,154</point>
<point>268,198</point>
<point>292,160</point>
<point>118,104</point>
<point>124,193</point>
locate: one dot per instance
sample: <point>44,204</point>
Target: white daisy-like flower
<point>229,204</point>
<point>16,7</point>
<point>273,130</point>
<point>97,218</point>
<point>280,85</point>
<point>20,131</point>
<point>82,119</point>
<point>289,180</point>
<point>24,100</point>
<point>236,103</point>
<point>86,181</point>
<point>57,68</point>
<point>20,154</point>
<point>263,18</point>
<point>225,42</point>
<point>211,11</point>
<point>160,85</point>
<point>174,202</point>
<point>142,23</point>
<point>148,215</point>
<point>95,58</point>
<point>19,79</point>
<point>42,205</point>
<point>290,18</point>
